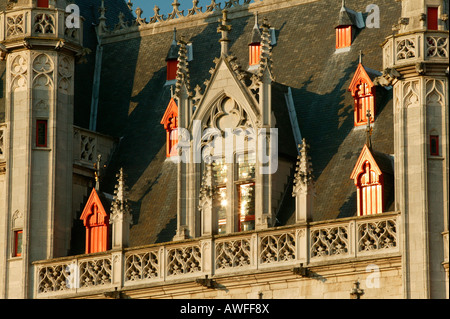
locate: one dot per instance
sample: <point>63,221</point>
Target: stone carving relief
<point>65,71</point>
<point>95,272</point>
<point>228,114</point>
<point>15,25</point>
<point>406,49</point>
<point>410,93</point>
<point>377,235</point>
<point>19,71</point>
<point>44,24</point>
<point>234,253</point>
<point>142,266</point>
<point>328,242</point>
<point>88,146</point>
<point>42,72</point>
<point>53,278</point>
<point>437,47</point>
<point>183,260</point>
<point>435,92</point>
<point>277,248</point>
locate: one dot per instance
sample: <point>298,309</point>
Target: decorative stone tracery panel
<point>326,242</point>
<point>437,47</point>
<point>142,266</point>
<point>406,49</point>
<point>44,23</point>
<point>65,72</point>
<point>234,253</point>
<point>15,25</point>
<point>19,71</point>
<point>435,95</point>
<point>43,72</point>
<point>53,278</point>
<point>183,260</point>
<point>95,272</point>
<point>277,248</point>
<point>377,235</point>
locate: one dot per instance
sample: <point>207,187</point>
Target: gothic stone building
<point>249,149</point>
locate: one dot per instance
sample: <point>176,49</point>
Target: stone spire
<point>183,77</point>
<point>224,29</point>
<point>303,185</point>
<point>266,52</point>
<point>121,218</point>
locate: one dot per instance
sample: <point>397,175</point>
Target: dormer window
<point>348,22</point>
<point>96,222</point>
<point>170,122</point>
<point>363,92</point>
<point>368,180</point>
<point>172,59</point>
<point>344,36</point>
<point>254,47</point>
<point>42,3</point>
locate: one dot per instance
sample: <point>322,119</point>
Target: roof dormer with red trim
<point>254,47</point>
<point>348,23</point>
<point>172,59</point>
<point>170,122</point>
<point>363,92</point>
<point>96,221</point>
<point>368,179</point>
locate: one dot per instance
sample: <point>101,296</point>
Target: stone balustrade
<point>404,49</point>
<point>47,23</point>
<point>239,253</point>
<point>89,144</point>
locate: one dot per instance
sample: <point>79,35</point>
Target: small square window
<point>17,243</point>
<point>41,133</point>
<point>434,145</point>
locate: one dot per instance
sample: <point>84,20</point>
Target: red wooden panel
<point>254,54</point>
<point>172,66</point>
<point>42,3</point>
<point>343,37</point>
<point>432,18</point>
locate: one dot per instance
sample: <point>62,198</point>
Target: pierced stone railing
<point>308,244</point>
<point>89,144</point>
<point>42,22</point>
<point>404,49</point>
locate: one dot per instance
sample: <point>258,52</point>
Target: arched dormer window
<point>363,92</point>
<point>368,179</point>
<point>96,221</point>
<point>170,122</point>
<point>344,36</point>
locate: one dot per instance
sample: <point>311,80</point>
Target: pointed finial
<point>360,56</point>
<point>174,42</point>
<point>171,91</point>
<point>369,130</point>
<point>256,20</point>
<point>97,172</point>
<point>224,28</point>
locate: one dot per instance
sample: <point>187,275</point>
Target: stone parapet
<point>300,246</point>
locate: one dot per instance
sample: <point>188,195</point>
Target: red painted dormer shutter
<point>368,180</point>
<point>363,92</point>
<point>343,36</point>
<point>172,66</point>
<point>96,221</point>
<point>254,53</point>
<point>170,122</point>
